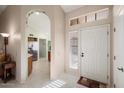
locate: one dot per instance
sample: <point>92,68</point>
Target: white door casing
<point>94,44</point>
<point>118,46</point>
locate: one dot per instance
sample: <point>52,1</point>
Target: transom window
<point>90,17</point>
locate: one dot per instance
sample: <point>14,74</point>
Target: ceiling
<point>2,8</point>
<point>66,8</point>
<point>69,8</point>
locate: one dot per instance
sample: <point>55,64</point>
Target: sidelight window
<point>73,50</point>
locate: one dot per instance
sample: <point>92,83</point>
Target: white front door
<point>119,46</point>
<point>94,49</point>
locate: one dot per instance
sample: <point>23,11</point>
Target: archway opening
<point>38,34</point>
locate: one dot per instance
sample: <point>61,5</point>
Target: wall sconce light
<point>5,35</point>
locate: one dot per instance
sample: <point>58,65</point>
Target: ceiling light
<point>37,13</point>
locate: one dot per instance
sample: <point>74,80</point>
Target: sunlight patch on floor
<point>55,84</point>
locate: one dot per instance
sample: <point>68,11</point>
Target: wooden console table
<point>7,70</point>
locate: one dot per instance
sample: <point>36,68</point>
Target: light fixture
<point>37,13</point>
<point>5,35</point>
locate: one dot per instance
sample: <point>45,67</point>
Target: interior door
<point>94,49</point>
<point>42,48</point>
<point>119,46</point>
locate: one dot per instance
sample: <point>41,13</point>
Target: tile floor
<point>40,79</point>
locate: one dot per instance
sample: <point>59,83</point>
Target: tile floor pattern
<point>40,79</point>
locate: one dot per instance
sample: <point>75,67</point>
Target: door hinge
<point>107,33</point>
<point>114,57</point>
<point>107,55</point>
<point>114,29</point>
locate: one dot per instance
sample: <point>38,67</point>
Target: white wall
<point>57,67</point>
<point>118,21</point>
<point>10,23</point>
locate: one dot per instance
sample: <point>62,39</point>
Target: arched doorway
<point>38,36</point>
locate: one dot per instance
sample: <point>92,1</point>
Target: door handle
<point>120,68</point>
<point>82,54</point>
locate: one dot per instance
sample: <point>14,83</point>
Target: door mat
<point>90,83</point>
